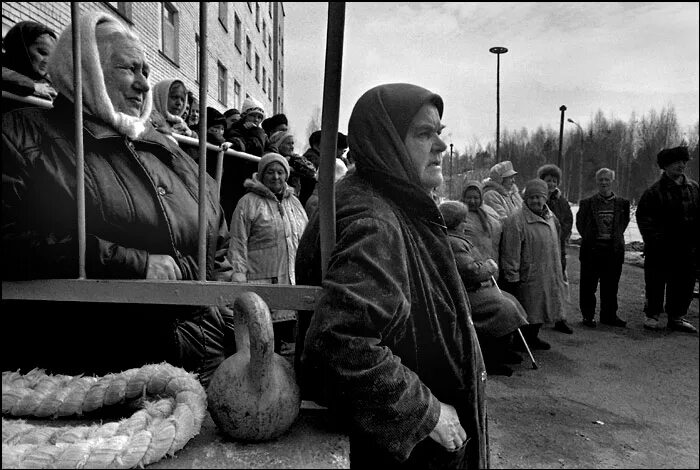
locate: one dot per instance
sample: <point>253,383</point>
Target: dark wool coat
<point>587,225</point>
<point>392,334</point>
<point>141,198</point>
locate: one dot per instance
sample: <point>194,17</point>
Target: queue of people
<point>421,300</point>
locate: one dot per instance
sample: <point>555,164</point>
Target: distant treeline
<point>628,147</point>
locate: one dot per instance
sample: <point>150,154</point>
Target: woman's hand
<point>45,90</point>
<point>448,431</point>
<point>162,267</point>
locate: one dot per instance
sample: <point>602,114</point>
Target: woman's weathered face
<point>536,202</point>
<point>552,182</point>
<point>39,52</point>
<point>287,147</point>
<point>274,177</point>
<point>472,198</point>
<point>508,182</point>
<point>425,146</point>
<point>177,97</point>
<point>125,73</point>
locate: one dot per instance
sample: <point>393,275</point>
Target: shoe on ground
<point>563,327</point>
<point>498,369</point>
<point>589,322</point>
<point>681,325</point>
<point>651,324</point>
<point>537,343</point>
<point>614,322</point>
<point>511,357</point>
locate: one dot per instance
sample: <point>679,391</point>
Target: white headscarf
<point>96,101</point>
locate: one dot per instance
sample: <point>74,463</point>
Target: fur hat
<point>214,117</point>
<point>501,170</point>
<point>536,187</point>
<point>272,158</point>
<point>273,121</point>
<point>454,212</point>
<point>668,156</point>
<point>549,169</point>
<point>251,105</point>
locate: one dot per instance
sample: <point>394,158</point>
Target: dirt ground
<point>601,398</point>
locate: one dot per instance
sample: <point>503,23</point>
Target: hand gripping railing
<point>201,292</point>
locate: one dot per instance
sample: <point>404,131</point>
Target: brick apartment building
<point>245,50</point>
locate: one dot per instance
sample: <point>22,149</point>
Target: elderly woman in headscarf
<point>27,47</point>
<point>482,225</point>
<point>531,263</point>
<point>265,231</point>
<point>496,314</point>
<point>391,346</point>
<point>500,191</point>
<point>303,176</point>
<point>169,103</point>
<point>246,135</point>
<point>141,211</point>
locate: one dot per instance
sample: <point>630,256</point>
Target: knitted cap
<point>279,137</point>
<point>272,158</point>
<point>252,105</point>
<point>536,187</point>
<point>454,212</point>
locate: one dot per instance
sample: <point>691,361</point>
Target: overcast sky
<point>617,57</point>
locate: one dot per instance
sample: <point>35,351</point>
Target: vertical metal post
<point>498,51</point>
<point>562,108</point>
<point>449,195</point>
<point>329,126</point>
<point>79,149</point>
<point>202,255</point>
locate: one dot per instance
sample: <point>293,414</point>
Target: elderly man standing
<point>391,346</point>
<point>141,214</point>
<point>667,216</point>
<point>602,220</point>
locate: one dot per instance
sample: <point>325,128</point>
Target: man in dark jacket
<point>391,346</point>
<point>141,216</point>
<point>601,221</point>
<point>559,205</point>
<point>667,216</point>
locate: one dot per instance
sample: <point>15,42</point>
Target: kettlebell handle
<point>253,331</point>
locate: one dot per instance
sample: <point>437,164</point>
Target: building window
<point>170,31</point>
<point>248,56</point>
<point>269,9</point>
<point>257,68</point>
<point>237,34</point>
<point>257,15</point>
<point>264,33</point>
<point>264,80</point>
<point>236,95</point>
<point>123,8</point>
<point>269,88</point>
<point>250,6</point>
<point>223,14</point>
<point>223,83</point>
<point>269,49</point>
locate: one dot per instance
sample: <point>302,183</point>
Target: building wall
<point>146,22</point>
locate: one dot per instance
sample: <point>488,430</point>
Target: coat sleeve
<point>16,83</point>
<point>30,253</point>
<point>648,219</point>
<point>567,220</point>
<point>511,245</point>
<point>366,295</point>
<point>470,270</point>
<point>241,222</point>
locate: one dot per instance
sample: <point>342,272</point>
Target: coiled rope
<point>163,426</point>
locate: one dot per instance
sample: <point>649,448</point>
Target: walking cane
<point>527,348</point>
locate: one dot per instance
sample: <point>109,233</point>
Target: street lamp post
<point>562,108</point>
<point>580,173</point>
<point>451,173</point>
<point>498,51</point>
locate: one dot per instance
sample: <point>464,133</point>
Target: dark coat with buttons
<point>140,198</point>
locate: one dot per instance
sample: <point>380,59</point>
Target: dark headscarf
<point>378,126</point>
<point>16,44</point>
<point>480,211</point>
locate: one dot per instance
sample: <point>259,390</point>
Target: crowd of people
<point>420,299</point>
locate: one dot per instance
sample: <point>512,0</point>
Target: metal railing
<point>201,292</point>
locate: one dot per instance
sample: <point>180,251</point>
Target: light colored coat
<point>488,241</point>
<point>265,235</point>
<point>530,256</point>
<point>503,201</point>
